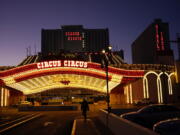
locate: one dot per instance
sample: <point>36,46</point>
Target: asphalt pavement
<point>53,122</point>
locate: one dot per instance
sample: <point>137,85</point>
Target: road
<point>50,123</point>
<point>53,122</point>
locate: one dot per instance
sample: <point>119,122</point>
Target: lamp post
<point>105,64</point>
<point>165,85</point>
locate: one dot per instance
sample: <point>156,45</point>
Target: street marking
<point>17,124</point>
<point>6,118</point>
<point>16,120</point>
<point>48,123</point>
<point>73,132</point>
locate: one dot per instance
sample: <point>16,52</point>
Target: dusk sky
<point>21,21</point>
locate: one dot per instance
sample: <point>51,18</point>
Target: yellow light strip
<point>31,83</point>
<point>44,81</point>
<point>36,80</point>
<point>17,86</point>
<point>28,84</point>
<point>144,86</point>
<point>131,97</point>
<point>24,84</point>
<point>102,83</point>
<point>58,86</point>
<point>169,86</point>
<point>147,89</point>
<point>96,82</point>
<point>160,96</point>
<point>170,83</point>
<point>2,96</point>
<point>161,92</point>
<point>145,83</point>
<point>9,80</point>
<point>91,81</point>
<point>158,87</point>
<point>127,92</point>
<point>80,83</point>
<point>5,97</point>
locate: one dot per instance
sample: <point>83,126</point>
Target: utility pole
<point>35,49</point>
<point>27,52</point>
<point>105,64</point>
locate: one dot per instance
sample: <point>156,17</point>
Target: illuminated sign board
<point>159,39</point>
<point>62,63</point>
<point>73,40</point>
<point>73,36</point>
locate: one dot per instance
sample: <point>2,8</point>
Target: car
<point>151,114</point>
<point>142,102</point>
<point>24,103</point>
<point>168,127</point>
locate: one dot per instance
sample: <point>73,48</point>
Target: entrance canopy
<point>42,76</point>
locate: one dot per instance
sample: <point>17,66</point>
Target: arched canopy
<point>43,76</point>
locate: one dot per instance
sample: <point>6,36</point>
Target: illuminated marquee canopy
<point>47,75</point>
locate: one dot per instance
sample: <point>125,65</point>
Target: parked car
<point>168,127</point>
<point>142,102</point>
<point>24,103</point>
<point>151,114</point>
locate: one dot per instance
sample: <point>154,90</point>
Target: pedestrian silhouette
<point>84,108</point>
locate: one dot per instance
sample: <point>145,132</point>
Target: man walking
<point>84,108</point>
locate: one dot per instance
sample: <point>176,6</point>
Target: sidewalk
<point>92,126</point>
<point>82,127</point>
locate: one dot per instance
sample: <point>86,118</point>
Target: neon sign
<point>162,41</point>
<point>159,39</point>
<point>62,63</point>
<point>73,36</point>
<point>72,33</point>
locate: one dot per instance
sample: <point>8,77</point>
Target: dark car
<point>168,127</point>
<point>151,114</point>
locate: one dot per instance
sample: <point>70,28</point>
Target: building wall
<point>137,90</point>
<point>117,98</point>
<point>96,39</point>
<point>177,74</point>
<point>175,97</point>
<point>4,97</point>
<point>143,48</point>
<point>16,97</point>
<point>51,41</point>
<point>73,38</point>
<point>153,46</point>
<point>152,88</point>
<point>177,66</point>
<point>10,97</point>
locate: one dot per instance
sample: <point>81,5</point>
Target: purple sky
<point>21,21</point>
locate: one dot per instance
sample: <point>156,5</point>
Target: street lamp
<point>105,64</point>
<point>110,48</point>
